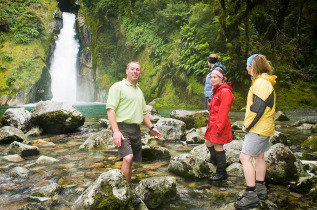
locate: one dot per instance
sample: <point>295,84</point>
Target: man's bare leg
<point>126,168</point>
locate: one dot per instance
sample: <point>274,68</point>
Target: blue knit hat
<point>250,59</point>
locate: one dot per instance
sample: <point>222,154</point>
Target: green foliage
<point>6,57</point>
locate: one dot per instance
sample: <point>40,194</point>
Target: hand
<point>117,136</point>
<point>156,133</point>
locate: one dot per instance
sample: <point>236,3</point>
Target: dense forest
<point>172,40</point>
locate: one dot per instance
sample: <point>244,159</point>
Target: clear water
<point>77,170</point>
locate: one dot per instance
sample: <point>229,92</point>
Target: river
<point>77,169</point>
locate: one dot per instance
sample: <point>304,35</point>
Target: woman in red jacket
<point>218,130</point>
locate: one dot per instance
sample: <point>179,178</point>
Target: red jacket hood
<point>219,87</point>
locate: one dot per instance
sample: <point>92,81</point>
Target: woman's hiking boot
<point>261,191</point>
<point>221,173</point>
<point>248,200</point>
<point>212,158</point>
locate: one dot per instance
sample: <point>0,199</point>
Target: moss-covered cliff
<point>27,29</point>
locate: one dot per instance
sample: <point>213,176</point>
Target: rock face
<point>56,117</point>
<point>157,190</point>
<point>193,119</point>
<point>10,134</point>
<point>171,129</point>
<point>18,118</point>
<point>109,191</point>
<point>100,139</point>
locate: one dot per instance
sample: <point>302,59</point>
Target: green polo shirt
<point>127,101</point>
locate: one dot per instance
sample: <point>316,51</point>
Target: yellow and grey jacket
<point>261,106</point>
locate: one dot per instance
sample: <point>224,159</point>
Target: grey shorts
<point>132,143</point>
<point>255,144</point>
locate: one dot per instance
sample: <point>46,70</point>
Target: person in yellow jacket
<point>259,126</point>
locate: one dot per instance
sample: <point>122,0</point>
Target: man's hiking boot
<point>261,191</point>
<point>212,158</point>
<point>248,200</point>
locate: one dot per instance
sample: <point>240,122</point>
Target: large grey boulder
<point>109,191</point>
<point>192,119</point>
<point>56,117</point>
<point>191,166</point>
<point>194,137</point>
<point>18,118</point>
<point>278,137</point>
<point>10,134</point>
<point>101,139</point>
<point>280,116</point>
<point>171,129</point>
<point>281,164</point>
<point>23,149</point>
<point>157,190</point>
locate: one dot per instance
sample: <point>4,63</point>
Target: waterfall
<point>64,62</point>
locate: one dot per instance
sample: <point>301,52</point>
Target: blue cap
<point>250,59</point>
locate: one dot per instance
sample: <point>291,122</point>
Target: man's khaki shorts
<point>132,143</point>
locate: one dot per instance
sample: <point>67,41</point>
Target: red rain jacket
<point>218,129</point>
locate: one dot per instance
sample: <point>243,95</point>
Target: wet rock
<point>56,117</point>
<point>280,116</point>
<point>235,169</point>
<point>305,126</point>
<point>35,131</point>
<point>18,118</point>
<point>104,123</point>
<point>171,129</point>
<point>10,134</point>
<point>19,172</point>
<point>281,167</point>
<point>152,113</point>
<point>278,137</point>
<point>238,125</point>
<point>157,190</point>
<point>22,149</point>
<point>41,142</point>
<point>314,128</point>
<point>193,137</point>
<point>150,153</point>
<point>300,122</point>
<point>45,160</point>
<point>101,139</point>
<point>109,191</point>
<point>192,119</point>
<point>188,165</point>
<point>304,184</point>
<point>13,158</point>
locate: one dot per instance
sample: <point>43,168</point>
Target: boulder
<point>101,139</point>
<point>35,131</point>
<point>235,169</point>
<point>56,117</point>
<point>10,134</point>
<point>150,153</point>
<point>192,119</point>
<point>280,116</point>
<point>13,158</point>
<point>157,190</point>
<point>109,191</point>
<point>191,166</point>
<point>18,118</point>
<point>281,164</point>
<point>278,137</point>
<point>238,125</point>
<point>171,129</point>
<point>45,160</point>
<point>152,113</point>
<point>23,149</point>
<point>193,137</point>
<point>104,123</point>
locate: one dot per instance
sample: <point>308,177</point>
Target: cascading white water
<point>63,66</point>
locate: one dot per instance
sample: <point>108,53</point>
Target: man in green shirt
<point>126,111</point>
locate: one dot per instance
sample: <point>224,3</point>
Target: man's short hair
<point>128,65</point>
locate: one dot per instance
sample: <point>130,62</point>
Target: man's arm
<point>117,135</point>
<point>149,124</point>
